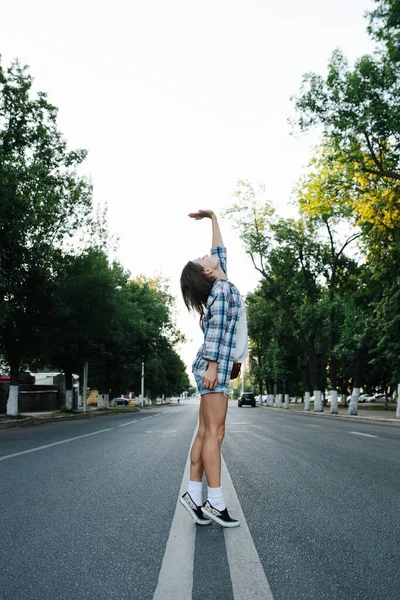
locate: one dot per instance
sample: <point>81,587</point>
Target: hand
<point>202,214</point>
<point>210,377</point>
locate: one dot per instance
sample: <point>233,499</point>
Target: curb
<point>28,421</point>
<point>393,421</point>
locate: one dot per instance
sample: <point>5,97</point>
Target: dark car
<point>247,398</point>
<point>23,377</point>
<point>121,400</point>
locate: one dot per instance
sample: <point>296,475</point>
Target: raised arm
<point>216,233</point>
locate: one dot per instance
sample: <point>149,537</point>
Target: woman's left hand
<point>202,214</point>
<point>210,377</point>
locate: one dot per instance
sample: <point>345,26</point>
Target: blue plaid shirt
<point>219,325</point>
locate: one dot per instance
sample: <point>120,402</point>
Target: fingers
<point>210,383</point>
<point>201,214</point>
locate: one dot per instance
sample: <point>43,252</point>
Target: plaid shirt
<point>219,325</point>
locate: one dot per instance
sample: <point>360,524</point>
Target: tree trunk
<point>334,403</point>
<point>68,390</point>
<point>287,394</point>
<point>353,406</point>
<point>12,402</point>
<point>318,401</point>
<point>343,391</point>
<point>307,388</point>
<point>355,394</point>
<point>315,373</point>
<point>103,401</point>
<point>279,394</point>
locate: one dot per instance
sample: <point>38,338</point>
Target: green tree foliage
<point>42,201</point>
<point>62,303</point>
<point>276,355</point>
<point>288,257</point>
<point>359,107</point>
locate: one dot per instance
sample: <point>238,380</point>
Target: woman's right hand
<point>202,214</point>
<point>210,377</point>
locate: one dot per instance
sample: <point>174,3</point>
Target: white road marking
<point>138,419</point>
<point>364,434</point>
<point>311,425</point>
<point>175,580</point>
<point>176,575</point>
<point>173,411</point>
<point>236,431</point>
<point>78,437</point>
<point>162,431</point>
<point>247,574</point>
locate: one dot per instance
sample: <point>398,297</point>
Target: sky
<point>175,102</point>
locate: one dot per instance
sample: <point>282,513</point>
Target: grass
<point>12,417</point>
<point>377,406</point>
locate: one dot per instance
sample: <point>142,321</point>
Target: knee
<point>216,434</point>
<point>201,434</point>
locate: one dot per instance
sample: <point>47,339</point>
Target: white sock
<point>216,498</point>
<point>195,489</point>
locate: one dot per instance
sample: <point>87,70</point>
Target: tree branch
<point>381,171</point>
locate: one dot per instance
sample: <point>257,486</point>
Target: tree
<point>43,201</point>
<point>290,260</point>
<point>326,196</point>
<point>275,350</point>
<point>359,108</point>
<point>84,298</point>
<point>141,329</point>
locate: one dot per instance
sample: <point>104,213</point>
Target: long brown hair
<point>196,287</point>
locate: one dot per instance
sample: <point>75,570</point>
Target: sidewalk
<point>365,412</point>
<point>37,418</point>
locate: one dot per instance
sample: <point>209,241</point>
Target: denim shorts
<point>219,388</point>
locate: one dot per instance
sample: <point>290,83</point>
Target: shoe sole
<point>194,517</point>
<point>218,520</point>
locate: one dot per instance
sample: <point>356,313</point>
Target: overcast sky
<point>176,101</point>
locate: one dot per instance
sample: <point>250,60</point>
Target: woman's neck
<point>220,274</point>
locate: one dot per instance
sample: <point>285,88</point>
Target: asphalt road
<point>89,510</point>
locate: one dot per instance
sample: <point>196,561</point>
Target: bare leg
<point>196,464</point>
<point>214,407</point>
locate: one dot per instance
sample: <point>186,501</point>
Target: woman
<point>206,289</point>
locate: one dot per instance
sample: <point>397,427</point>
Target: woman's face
<point>208,263</point>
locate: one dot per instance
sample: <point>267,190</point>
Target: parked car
<point>23,377</point>
<point>122,401</point>
<point>247,398</point>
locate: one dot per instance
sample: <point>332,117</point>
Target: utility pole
<point>85,381</point>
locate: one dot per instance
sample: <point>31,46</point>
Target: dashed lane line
<point>78,437</point>
<point>364,434</point>
<point>176,575</point>
<point>130,423</point>
<point>248,578</point>
<point>175,580</point>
